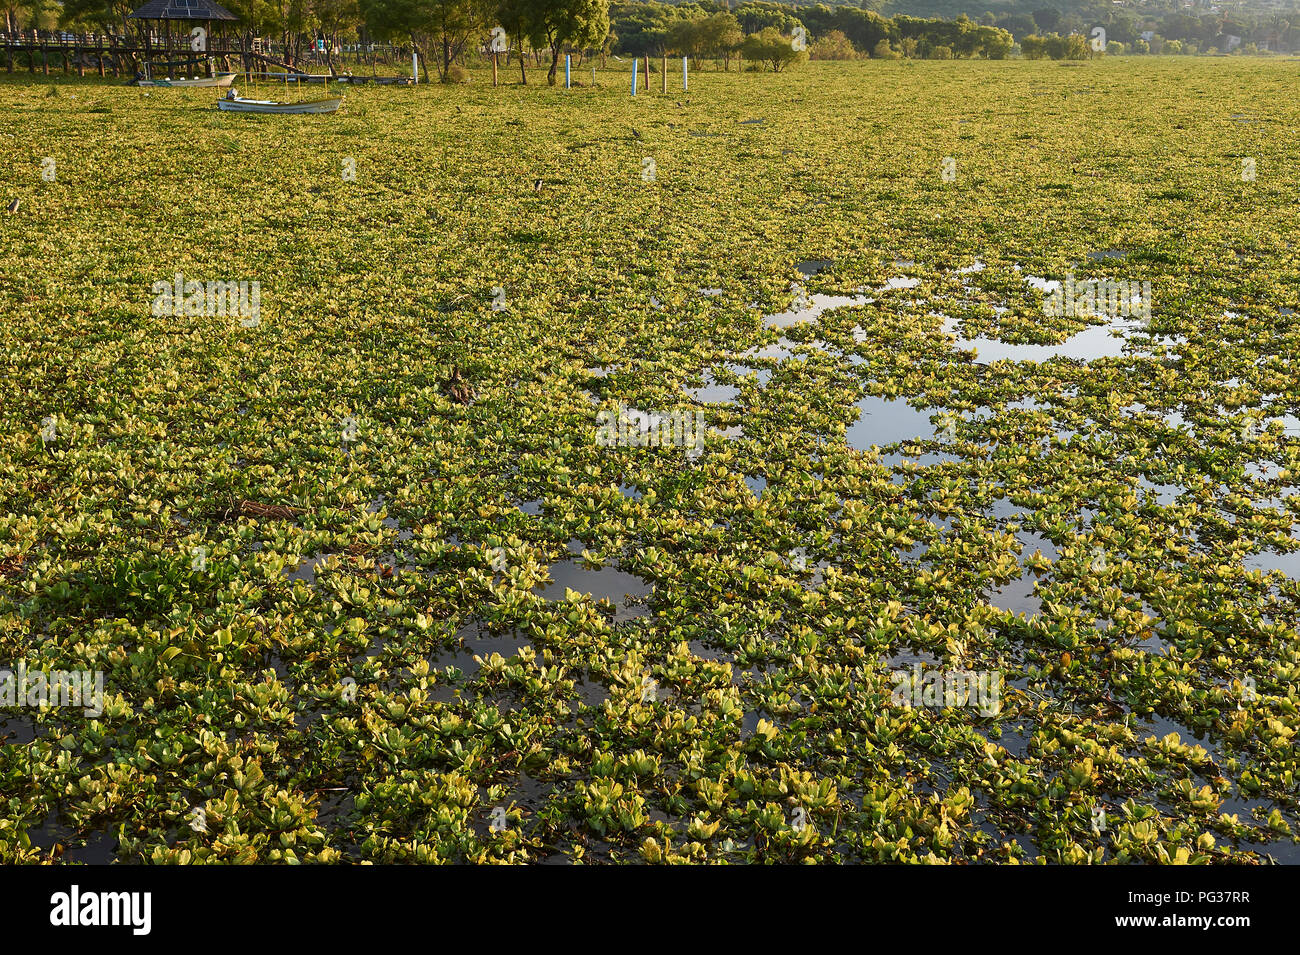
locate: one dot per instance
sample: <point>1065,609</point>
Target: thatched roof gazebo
<point>198,12</point>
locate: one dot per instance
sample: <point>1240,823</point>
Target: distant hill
<point>1250,26</point>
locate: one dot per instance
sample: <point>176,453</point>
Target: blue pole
<point>684,81</point>
<point>634,62</point>
<point>566,71</point>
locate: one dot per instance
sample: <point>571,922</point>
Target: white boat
<point>221,79</point>
<point>232,102</point>
<point>295,77</point>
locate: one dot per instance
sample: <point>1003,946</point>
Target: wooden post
<point>99,48</point>
<point>647,73</point>
<point>664,77</point>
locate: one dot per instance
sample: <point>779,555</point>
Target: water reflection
<point>621,589</point>
<point>883,421</point>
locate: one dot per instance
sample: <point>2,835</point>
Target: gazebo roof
<point>183,10</point>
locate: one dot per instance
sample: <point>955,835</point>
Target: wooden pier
<point>106,54</point>
<point>100,54</point>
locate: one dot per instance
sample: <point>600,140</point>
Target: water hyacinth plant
<point>363,585</point>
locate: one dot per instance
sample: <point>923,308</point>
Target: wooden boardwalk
<point>104,54</point>
<point>109,55</point>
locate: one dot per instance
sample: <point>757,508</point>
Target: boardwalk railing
<point>104,52</point>
<point>110,53</point>
<point>57,40</point>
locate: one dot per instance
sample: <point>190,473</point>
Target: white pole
<point>634,62</point>
<point>684,80</point>
<point>415,67</point>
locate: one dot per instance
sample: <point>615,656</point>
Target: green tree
<point>883,51</point>
<point>722,36</point>
<point>258,17</point>
<point>998,45</point>
<point>555,24</point>
<point>770,47</point>
<point>1047,18</point>
<point>757,17</point>
<point>643,28</point>
<point>100,14</point>
<point>512,15</point>
<point>33,14</point>
<point>397,20</point>
<point>687,38</point>
<point>450,24</point>
<point>1077,47</point>
<point>834,46</point>
<point>333,18</point>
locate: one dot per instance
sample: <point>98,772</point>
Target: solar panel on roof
<point>183,10</point>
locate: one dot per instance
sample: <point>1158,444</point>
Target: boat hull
<point>261,106</point>
<point>295,77</point>
<point>220,80</point>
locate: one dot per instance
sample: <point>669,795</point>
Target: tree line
<point>448,34</point>
<point>1142,26</point>
<point>711,29</point>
